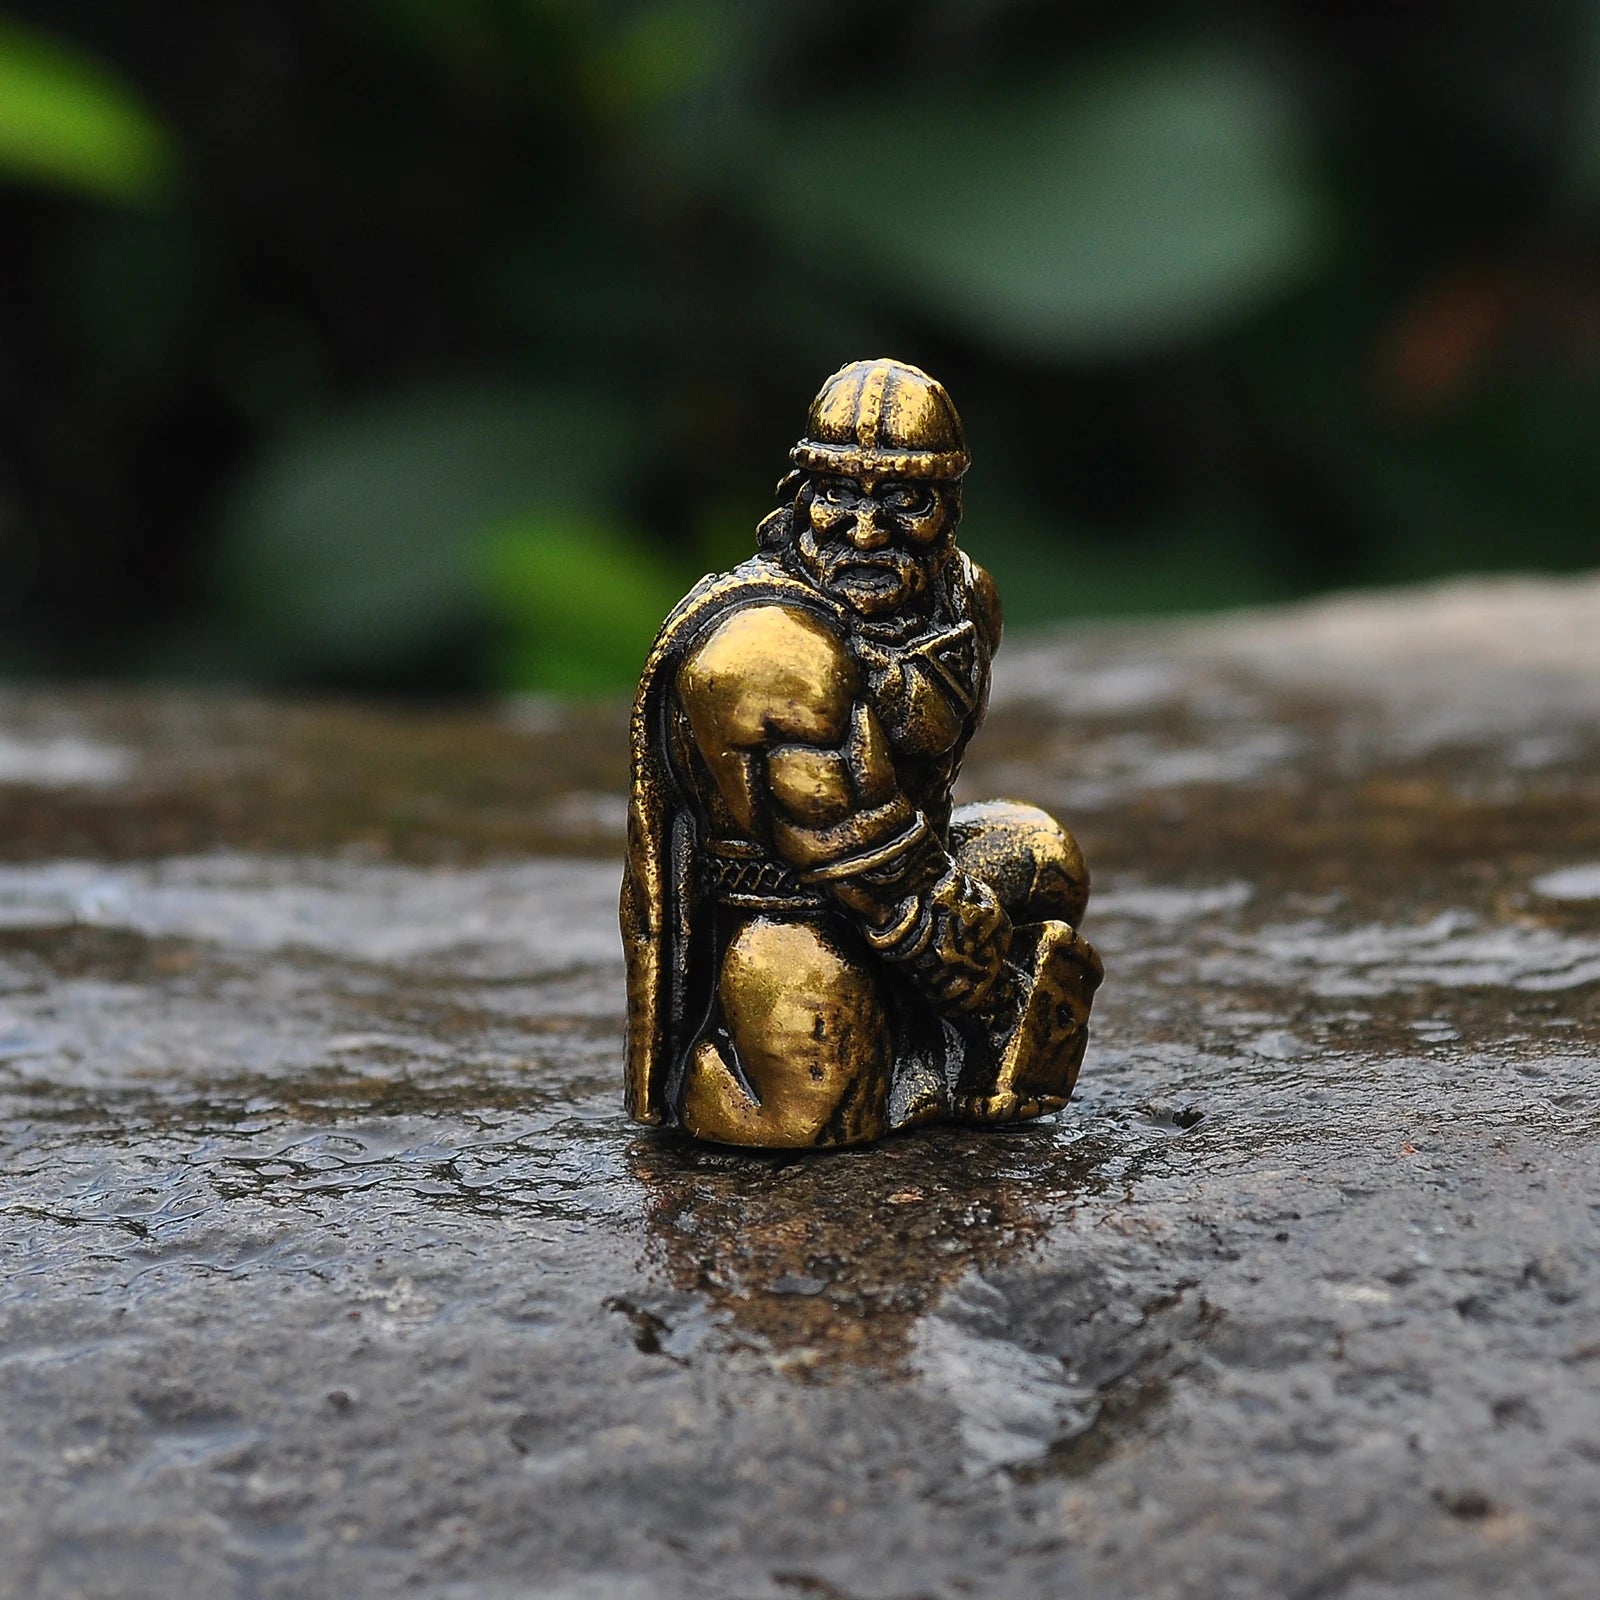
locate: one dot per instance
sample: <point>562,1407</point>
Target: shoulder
<point>767,669</point>
<point>985,602</point>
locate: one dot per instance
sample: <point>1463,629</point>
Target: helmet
<point>884,418</point>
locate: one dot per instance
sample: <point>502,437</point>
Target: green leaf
<point>356,541</point>
<point>578,603</point>
<point>67,122</point>
<point>1117,208</point>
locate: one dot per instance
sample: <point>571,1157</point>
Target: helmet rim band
<point>851,460</point>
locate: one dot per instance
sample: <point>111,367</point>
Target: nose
<point>864,532</point>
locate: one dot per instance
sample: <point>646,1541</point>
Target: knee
<point>808,1025</point>
<point>1030,860</point>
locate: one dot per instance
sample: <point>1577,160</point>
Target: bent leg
<point>1030,861</point>
<point>807,1025</point>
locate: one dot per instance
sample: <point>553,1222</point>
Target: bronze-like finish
<point>821,948</point>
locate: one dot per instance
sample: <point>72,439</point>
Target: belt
<point>738,872</point>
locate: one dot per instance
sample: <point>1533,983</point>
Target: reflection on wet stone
<point>831,1260</point>
<point>329,1263</point>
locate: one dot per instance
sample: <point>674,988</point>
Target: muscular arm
<point>775,707</point>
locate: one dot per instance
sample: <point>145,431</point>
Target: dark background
<point>436,345</point>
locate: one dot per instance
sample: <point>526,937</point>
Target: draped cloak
<point>661,887</point>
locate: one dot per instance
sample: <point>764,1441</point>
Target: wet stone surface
<point>328,1265</point>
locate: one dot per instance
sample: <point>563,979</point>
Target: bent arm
<point>776,710</point>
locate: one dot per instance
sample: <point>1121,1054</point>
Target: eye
<point>835,490</point>
<point>904,497</point>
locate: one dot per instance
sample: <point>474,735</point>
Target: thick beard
<point>878,585</point>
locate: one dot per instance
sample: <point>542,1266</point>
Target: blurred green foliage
<point>362,536</point>
<point>558,627</point>
<point>439,344</point>
<point>65,120</point>
<point>1101,213</point>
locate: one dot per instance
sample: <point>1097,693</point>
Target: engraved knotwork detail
<point>739,873</point>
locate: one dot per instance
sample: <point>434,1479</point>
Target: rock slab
<point>329,1265</point>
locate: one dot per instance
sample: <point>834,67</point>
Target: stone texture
<point>328,1265</point>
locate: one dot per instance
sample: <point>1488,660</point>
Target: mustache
<point>836,562</point>
<point>842,567</point>
<point>834,558</point>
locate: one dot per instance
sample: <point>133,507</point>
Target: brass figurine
<point>821,949</point>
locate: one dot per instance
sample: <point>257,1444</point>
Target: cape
<point>660,887</point>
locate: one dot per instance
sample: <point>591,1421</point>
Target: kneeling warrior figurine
<point>820,949</point>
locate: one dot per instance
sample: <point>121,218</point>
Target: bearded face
<point>874,544</point>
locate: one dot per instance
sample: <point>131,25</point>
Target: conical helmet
<point>885,419</point>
